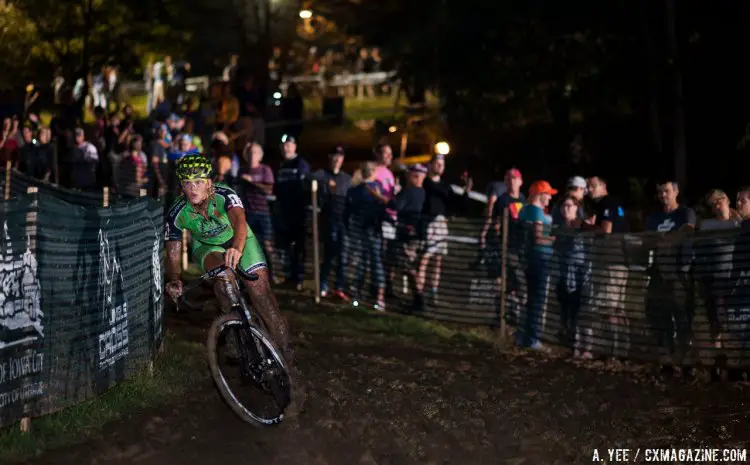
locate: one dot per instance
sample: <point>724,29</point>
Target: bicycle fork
<point>231,290</point>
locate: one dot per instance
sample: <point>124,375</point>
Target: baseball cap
<point>541,187</point>
<point>577,181</point>
<point>79,132</point>
<point>337,150</point>
<point>418,168</point>
<point>513,173</point>
<point>287,138</point>
<point>438,156</point>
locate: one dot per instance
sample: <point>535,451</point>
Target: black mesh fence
<point>670,298</point>
<point>81,297</point>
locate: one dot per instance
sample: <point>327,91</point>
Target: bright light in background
<point>442,148</point>
<point>392,129</point>
<point>305,14</point>
<point>277,95</point>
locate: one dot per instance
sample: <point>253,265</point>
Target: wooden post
<point>316,240</point>
<point>185,241</point>
<point>31,217</point>
<point>105,197</point>
<point>503,272</point>
<point>25,424</point>
<point>31,229</point>
<point>8,170</point>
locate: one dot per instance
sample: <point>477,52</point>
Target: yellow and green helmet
<point>194,167</point>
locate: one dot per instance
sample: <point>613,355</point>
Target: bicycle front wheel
<point>249,372</point>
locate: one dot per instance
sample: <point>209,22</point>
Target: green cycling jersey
<point>214,232</point>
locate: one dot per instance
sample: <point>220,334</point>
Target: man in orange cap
<point>537,224</point>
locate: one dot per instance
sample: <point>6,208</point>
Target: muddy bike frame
<point>238,302</point>
<point>257,365</point>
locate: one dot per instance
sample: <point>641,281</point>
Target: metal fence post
<point>316,240</point>
<point>503,273</point>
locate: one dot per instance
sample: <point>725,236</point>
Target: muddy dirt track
<point>388,401</point>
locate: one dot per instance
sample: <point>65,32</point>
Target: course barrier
<point>81,304</point>
<point>678,298</point>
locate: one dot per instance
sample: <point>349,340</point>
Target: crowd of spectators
<point>378,222</point>
<point>561,249</point>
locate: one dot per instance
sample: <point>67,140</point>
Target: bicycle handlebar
<point>214,272</point>
<point>211,274</point>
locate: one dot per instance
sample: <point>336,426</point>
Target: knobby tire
<point>282,395</point>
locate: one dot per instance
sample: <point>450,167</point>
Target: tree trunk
<point>655,129</point>
<point>679,149</point>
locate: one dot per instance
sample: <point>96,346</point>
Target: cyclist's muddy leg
<point>223,285</point>
<point>264,302</point>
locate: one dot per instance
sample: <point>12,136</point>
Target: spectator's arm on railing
<point>488,219</point>
<point>161,184</point>
<point>539,237</point>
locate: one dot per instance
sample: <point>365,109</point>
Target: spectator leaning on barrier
<point>715,258</point>
<point>669,296</point>
<point>364,214</point>
<point>334,185</point>
<point>538,252</point>
<point>158,149</point>
<point>738,299</point>
<point>574,269</point>
<point>743,206</point>
<point>39,162</point>
<point>85,162</point>
<point>608,217</point>
<point>28,147</point>
<point>131,172</point>
<point>292,195</point>
<point>409,204</point>
<point>255,185</point>
<point>384,176</point>
<point>512,199</point>
<point>577,190</point>
<point>604,297</point>
<point>439,197</point>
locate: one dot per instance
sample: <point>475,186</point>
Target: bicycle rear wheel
<point>259,370</point>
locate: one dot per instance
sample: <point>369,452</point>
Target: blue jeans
<point>336,243</point>
<point>369,251</point>
<point>530,326</point>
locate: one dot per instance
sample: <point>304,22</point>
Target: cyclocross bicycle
<point>241,352</point>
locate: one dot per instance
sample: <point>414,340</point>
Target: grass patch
<point>174,375</point>
<point>345,320</point>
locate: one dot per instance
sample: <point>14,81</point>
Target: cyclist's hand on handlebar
<point>174,289</point>
<point>232,258</point>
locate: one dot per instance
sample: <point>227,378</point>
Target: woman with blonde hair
<point>714,259</point>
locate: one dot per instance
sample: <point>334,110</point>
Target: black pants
<point>570,304</point>
<point>670,309</point>
<point>292,239</point>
